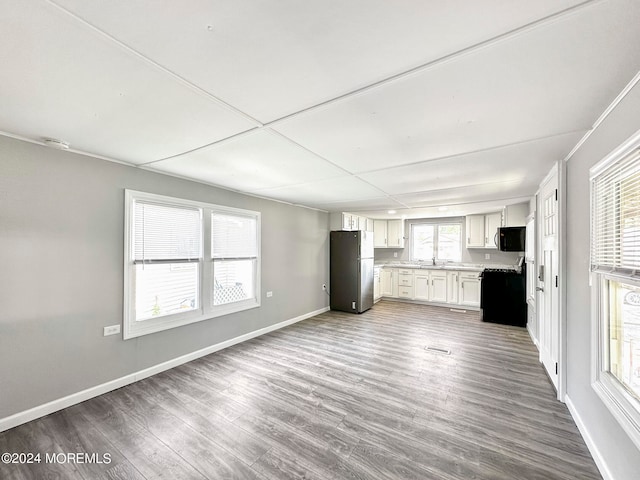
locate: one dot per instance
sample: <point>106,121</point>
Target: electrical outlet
<point>324,286</point>
<point>487,256</point>
<point>111,330</point>
<point>395,254</point>
<point>269,294</point>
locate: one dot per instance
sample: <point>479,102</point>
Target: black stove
<point>503,296</point>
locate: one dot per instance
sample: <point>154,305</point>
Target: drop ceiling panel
<point>61,79</point>
<point>468,194</point>
<point>544,82</point>
<point>342,189</point>
<point>276,57</point>
<point>251,162</point>
<point>529,160</point>
<point>382,203</point>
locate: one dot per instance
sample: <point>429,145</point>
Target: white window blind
<point>233,236</point>
<point>234,248</point>
<point>167,248</point>
<point>163,233</point>
<point>615,242</point>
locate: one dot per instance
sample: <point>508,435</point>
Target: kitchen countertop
<point>456,267</point>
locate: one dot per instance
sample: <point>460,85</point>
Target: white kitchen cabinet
<point>352,222</point>
<point>452,287</point>
<point>389,282</point>
<point>376,284</point>
<point>388,233</point>
<point>380,233</point>
<point>405,283</point>
<point>475,231</point>
<point>492,221</point>
<point>438,287</point>
<point>515,215</point>
<point>421,285</point>
<point>482,230</point>
<point>395,233</point>
<point>469,291</point>
<point>346,221</point>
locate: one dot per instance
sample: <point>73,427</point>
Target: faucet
<point>433,261</point>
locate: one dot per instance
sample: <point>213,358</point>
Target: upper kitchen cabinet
<point>515,215</point>
<point>388,233</point>
<point>395,233</point>
<point>349,221</point>
<point>475,231</point>
<point>482,230</point>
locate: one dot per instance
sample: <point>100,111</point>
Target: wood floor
<point>338,396</point>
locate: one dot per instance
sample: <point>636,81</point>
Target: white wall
<point>613,447</point>
<point>61,254</point>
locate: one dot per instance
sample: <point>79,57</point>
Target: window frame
<point>624,407</point>
<point>436,238</point>
<point>206,310</point>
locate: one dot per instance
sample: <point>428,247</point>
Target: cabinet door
<point>376,283</point>
<point>492,222</point>
<point>388,281</point>
<point>380,233</point>
<point>421,286</point>
<point>452,287</point>
<point>475,231</point>
<point>469,290</point>
<point>395,233</point>
<point>346,221</point>
<point>438,287</point>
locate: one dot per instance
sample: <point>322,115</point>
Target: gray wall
<point>474,255</point>
<point>621,456</point>
<point>61,253</point>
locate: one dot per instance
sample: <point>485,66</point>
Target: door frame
<point>559,169</point>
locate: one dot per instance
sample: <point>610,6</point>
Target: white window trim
<point>435,240</point>
<point>206,310</point>
<point>622,405</point>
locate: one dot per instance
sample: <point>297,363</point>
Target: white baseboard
<point>533,338</point>
<point>75,398</point>
<point>588,440</point>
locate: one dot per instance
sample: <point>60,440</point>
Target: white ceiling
<point>364,106</point>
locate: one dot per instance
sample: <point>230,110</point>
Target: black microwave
<point>511,239</point>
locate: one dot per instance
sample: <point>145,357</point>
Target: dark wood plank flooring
<point>338,396</point>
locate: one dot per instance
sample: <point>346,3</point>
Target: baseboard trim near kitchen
<point>78,397</point>
<point>533,338</point>
<point>588,440</point>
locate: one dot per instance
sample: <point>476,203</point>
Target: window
<point>615,266</point>
<point>442,241</point>
<point>172,276</point>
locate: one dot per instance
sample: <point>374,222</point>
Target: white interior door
<point>548,308</point>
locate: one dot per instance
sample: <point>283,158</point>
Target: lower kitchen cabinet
<point>452,287</point>
<point>376,284</point>
<point>421,286</point>
<point>469,291</point>
<point>426,285</point>
<point>388,282</point>
<point>438,287</point>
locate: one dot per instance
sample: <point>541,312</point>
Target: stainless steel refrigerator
<point>351,271</point>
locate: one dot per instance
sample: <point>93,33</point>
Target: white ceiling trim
<point>42,143</point>
<point>616,101</point>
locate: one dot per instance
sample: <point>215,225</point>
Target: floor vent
<point>457,310</point>
<point>438,350</point>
